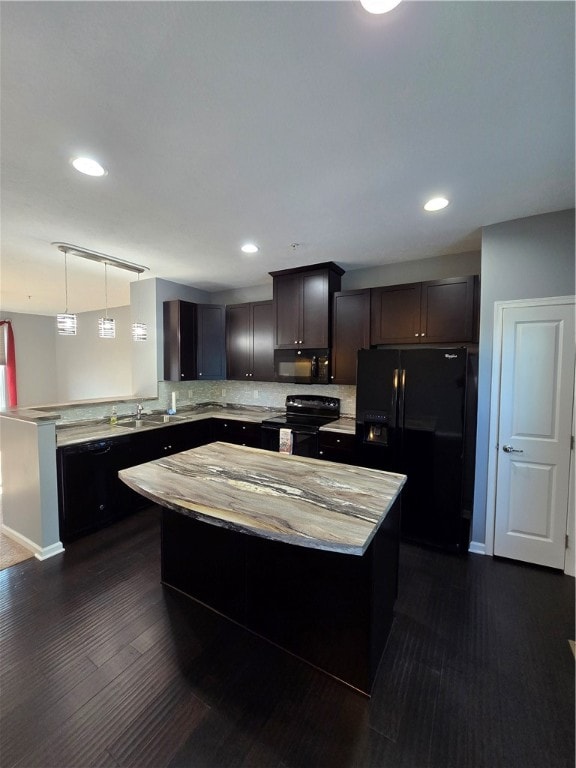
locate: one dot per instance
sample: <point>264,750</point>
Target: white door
<point>534,433</point>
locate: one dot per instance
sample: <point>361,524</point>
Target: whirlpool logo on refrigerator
<point>451,357</point>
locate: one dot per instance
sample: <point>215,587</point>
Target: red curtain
<point>10,364</point>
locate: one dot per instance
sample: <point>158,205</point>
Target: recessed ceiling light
<point>379,6</point>
<point>249,248</point>
<point>88,166</point>
<point>436,204</point>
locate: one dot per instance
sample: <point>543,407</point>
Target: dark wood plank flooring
<point>102,666</point>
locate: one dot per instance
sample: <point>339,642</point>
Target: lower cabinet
<point>337,446</point>
<point>155,443</point>
<point>90,494</point>
<point>237,432</point>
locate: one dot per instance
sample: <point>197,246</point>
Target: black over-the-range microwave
<point>302,366</point>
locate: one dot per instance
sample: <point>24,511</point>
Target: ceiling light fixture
<point>66,323</point>
<point>436,204</point>
<point>249,248</point>
<point>88,166</point>
<point>106,325</point>
<point>379,6</point>
<point>102,258</point>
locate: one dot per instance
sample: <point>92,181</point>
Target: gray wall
<point>90,367</point>
<point>147,357</point>
<point>57,369</point>
<point>434,268</point>
<point>524,258</point>
<point>35,341</point>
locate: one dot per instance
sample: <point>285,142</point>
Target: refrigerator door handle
<point>395,376</point>
<point>401,401</point>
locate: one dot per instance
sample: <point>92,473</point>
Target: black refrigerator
<point>416,414</point>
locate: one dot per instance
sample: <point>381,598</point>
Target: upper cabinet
<point>351,332</point>
<point>302,305</point>
<point>194,341</point>
<point>250,341</point>
<point>437,311</point>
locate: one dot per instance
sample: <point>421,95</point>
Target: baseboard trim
<point>41,553</point>
<point>477,548</point>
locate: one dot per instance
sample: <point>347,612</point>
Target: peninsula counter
<point>300,551</point>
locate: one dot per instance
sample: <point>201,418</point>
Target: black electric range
<point>296,431</point>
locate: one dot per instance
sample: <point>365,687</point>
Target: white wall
<point>90,367</point>
<point>35,341</point>
<point>524,258</point>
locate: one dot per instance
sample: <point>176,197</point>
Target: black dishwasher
<point>90,495</point>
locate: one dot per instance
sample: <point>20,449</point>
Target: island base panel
<point>330,609</point>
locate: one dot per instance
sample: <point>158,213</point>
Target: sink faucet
<point>139,410</point>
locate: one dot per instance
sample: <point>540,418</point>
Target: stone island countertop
<point>293,499</point>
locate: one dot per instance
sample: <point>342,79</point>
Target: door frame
<point>499,307</point>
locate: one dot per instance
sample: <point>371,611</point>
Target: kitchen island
<point>300,551</point>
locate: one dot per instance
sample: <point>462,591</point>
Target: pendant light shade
<point>66,323</point>
<point>106,325</point>
<point>139,331</point>
<point>107,328</point>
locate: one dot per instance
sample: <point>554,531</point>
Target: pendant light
<point>139,329</point>
<point>106,325</point>
<point>66,323</point>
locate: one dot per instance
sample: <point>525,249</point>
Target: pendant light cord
<point>66,279</point>
<point>106,290</point>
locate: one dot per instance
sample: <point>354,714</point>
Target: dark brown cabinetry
<point>337,446</point>
<point>155,443</point>
<point>194,341</point>
<point>302,305</point>
<point>250,341</point>
<point>236,432</point>
<point>90,493</point>
<point>437,311</point>
<point>350,332</point>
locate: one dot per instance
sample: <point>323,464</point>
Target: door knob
<point>510,449</point>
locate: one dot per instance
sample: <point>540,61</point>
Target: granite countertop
<point>71,434</point>
<point>30,414</point>
<point>293,499</point>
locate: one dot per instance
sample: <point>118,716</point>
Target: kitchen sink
<point>131,423</point>
<point>149,420</point>
<point>162,418</point>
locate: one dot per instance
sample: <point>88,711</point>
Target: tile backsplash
<point>189,393</point>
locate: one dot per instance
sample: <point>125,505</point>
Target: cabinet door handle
<point>416,334</point>
<point>422,334</point>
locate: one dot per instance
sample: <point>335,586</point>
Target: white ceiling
<point>282,122</point>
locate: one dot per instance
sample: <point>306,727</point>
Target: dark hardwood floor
<point>102,666</point>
